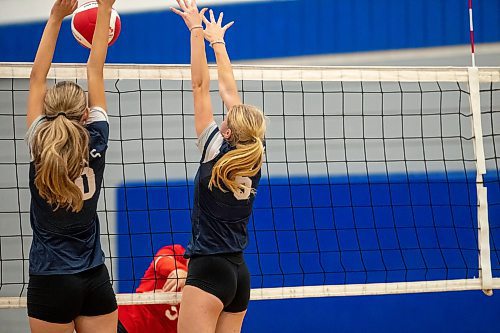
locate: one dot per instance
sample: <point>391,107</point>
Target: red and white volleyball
<point>84,21</point>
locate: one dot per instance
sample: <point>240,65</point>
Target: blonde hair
<point>248,126</point>
<point>60,147</point>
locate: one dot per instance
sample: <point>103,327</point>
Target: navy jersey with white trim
<point>65,242</point>
<point>219,219</point>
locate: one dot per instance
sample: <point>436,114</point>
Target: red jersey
<point>155,318</point>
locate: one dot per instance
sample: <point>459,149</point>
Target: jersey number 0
<point>86,183</point>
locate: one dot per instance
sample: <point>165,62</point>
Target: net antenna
<point>471,31</point>
<point>482,198</point>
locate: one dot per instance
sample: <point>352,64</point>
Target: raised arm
<point>214,33</point>
<point>200,77</point>
<point>43,58</point>
<point>98,52</point>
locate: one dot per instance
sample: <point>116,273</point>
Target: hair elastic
<point>57,115</point>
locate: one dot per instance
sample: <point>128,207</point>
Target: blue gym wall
<point>281,29</point>
<point>430,217</point>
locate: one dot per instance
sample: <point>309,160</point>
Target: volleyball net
<point>375,181</point>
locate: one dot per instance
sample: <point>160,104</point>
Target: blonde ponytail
<point>247,126</point>
<point>60,147</point>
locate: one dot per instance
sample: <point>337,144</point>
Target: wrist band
<point>196,27</point>
<point>217,42</point>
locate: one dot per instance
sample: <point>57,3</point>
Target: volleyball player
<point>217,290</point>
<point>166,273</point>
<point>69,287</point>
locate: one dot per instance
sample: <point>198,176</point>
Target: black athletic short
<point>62,298</point>
<point>225,276</point>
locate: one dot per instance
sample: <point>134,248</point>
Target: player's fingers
<point>221,15</point>
<point>203,10</point>
<point>212,17</point>
<point>181,286</point>
<point>227,26</point>
<point>167,286</point>
<point>181,4</point>
<point>202,13</point>
<point>175,10</point>
<point>172,285</point>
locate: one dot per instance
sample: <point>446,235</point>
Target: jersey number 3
<point>86,183</point>
<point>243,194</point>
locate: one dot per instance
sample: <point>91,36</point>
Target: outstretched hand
<point>189,13</point>
<point>214,31</point>
<point>175,281</point>
<point>63,8</point>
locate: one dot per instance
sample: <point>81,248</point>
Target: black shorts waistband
<point>234,257</point>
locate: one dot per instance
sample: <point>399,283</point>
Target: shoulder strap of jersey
<point>207,143</point>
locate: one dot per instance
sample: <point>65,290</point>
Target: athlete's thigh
<point>107,323</point>
<point>40,326</point>
<point>199,311</point>
<point>230,322</point>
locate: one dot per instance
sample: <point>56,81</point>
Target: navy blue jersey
<point>65,242</point>
<point>219,219</point>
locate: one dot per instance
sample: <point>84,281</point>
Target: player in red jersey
<point>166,273</point>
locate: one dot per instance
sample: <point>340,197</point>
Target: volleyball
<point>84,20</point>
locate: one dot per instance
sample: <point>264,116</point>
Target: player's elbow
<point>200,85</point>
<point>230,96</point>
<point>227,92</point>
<point>36,76</point>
